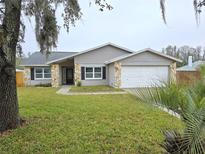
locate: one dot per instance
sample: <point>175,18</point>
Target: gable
<point>146,58</point>
<point>100,55</point>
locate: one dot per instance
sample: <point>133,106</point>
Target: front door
<point>67,75</point>
<point>69,72</point>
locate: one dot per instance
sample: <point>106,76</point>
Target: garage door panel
<point>143,76</point>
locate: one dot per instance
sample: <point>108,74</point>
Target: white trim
<point>141,51</point>
<point>93,67</point>
<point>35,65</point>
<point>91,49</point>
<point>18,70</point>
<point>43,74</point>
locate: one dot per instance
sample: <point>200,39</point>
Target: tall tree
<point>12,32</point>
<point>184,52</point>
<point>10,28</point>
<point>198,4</point>
<point>203,54</point>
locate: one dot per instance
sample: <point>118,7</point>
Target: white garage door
<point>143,76</point>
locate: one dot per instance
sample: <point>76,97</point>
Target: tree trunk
<point>9,115</point>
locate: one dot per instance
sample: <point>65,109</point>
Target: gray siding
<point>94,82</point>
<point>146,58</point>
<point>111,75</point>
<point>37,82</point>
<point>97,58</point>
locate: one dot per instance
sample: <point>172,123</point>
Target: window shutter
<point>82,73</point>
<point>32,73</point>
<point>104,72</point>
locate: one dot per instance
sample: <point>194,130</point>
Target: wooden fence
<point>187,77</point>
<point>20,79</point>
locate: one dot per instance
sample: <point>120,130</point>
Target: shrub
<point>43,85</point>
<point>79,84</point>
<point>189,102</point>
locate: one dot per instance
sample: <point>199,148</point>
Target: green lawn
<point>86,124</point>
<point>93,89</point>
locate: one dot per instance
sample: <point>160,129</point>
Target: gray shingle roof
<point>91,49</point>
<point>194,67</point>
<point>38,59</point>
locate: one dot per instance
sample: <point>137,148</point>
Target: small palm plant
<point>189,103</point>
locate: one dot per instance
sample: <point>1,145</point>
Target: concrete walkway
<point>65,91</point>
<point>94,93</point>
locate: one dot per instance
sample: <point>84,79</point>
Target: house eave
<point>35,65</point>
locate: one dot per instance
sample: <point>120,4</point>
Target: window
<point>93,72</point>
<point>42,73</point>
<point>39,73</point>
<point>89,72</point>
<point>98,72</point>
<point>47,73</point>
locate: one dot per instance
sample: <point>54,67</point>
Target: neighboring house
<point>189,73</point>
<point>108,64</point>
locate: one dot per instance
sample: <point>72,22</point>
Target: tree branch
<point>1,10</point>
<point>162,6</point>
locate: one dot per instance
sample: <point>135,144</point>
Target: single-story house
<point>189,73</point>
<point>107,64</point>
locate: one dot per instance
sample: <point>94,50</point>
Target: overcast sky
<point>134,24</point>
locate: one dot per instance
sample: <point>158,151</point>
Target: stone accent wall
<point>27,76</point>
<point>55,73</point>
<point>173,71</point>
<point>117,68</point>
<point>77,73</point>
